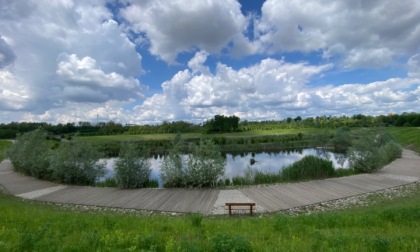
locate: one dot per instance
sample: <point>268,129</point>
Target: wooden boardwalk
<point>270,198</point>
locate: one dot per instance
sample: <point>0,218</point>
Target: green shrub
<point>309,167</point>
<point>29,154</point>
<point>205,164</point>
<point>373,149</point>
<point>76,162</point>
<point>131,169</point>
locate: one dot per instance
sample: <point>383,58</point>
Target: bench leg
<point>230,210</point>
<point>250,210</point>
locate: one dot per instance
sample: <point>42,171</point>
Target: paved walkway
<point>268,198</point>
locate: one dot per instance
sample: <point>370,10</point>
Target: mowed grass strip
<point>4,145</point>
<point>408,137</point>
<point>393,225</point>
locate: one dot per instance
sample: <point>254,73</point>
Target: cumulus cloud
<point>64,52</point>
<point>362,33</point>
<point>256,92</point>
<point>172,27</point>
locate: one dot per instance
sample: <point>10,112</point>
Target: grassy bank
<point>4,144</point>
<point>408,137</point>
<point>388,226</point>
<point>261,140</point>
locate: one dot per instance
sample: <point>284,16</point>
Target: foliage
<point>205,164</point>
<point>29,153</point>
<point>309,167</point>
<point>221,123</point>
<point>131,169</point>
<point>172,170</point>
<point>4,145</point>
<point>342,139</point>
<point>372,150</point>
<point>203,168</point>
<point>76,162</point>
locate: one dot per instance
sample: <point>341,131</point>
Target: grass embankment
<point>4,144</point>
<point>259,140</point>
<point>408,137</point>
<point>387,226</point>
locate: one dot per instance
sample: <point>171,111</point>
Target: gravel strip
<point>358,200</point>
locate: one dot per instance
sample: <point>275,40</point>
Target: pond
<point>237,163</point>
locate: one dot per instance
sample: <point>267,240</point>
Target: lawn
<point>4,144</point>
<point>392,225</point>
<point>408,137</point>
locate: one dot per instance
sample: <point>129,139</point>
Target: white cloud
<point>178,26</point>
<point>362,33</point>
<point>66,52</point>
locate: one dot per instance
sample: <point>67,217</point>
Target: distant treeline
<point>218,124</point>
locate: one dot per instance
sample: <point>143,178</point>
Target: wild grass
<point>4,144</point>
<point>393,225</point>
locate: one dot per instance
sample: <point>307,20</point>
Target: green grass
<point>124,137</point>
<point>393,225</point>
<point>408,137</point>
<point>4,144</point>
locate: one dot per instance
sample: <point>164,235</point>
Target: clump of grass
<point>309,167</point>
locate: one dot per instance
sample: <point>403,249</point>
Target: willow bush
<point>76,162</point>
<point>132,170</point>
<point>29,154</point>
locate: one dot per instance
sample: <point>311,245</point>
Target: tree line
<point>217,124</point>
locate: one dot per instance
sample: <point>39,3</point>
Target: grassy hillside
<point>388,226</point>
<point>3,146</point>
<point>408,137</point>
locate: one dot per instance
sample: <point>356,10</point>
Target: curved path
<point>270,198</point>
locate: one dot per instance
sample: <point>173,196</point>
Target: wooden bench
<point>230,205</point>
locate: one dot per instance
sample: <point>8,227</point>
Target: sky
<point>149,61</point>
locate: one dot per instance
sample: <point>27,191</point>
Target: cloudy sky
<point>146,61</point>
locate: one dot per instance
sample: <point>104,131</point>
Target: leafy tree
<point>29,154</point>
<point>132,169</point>
<point>76,162</point>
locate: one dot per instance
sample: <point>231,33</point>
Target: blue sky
<point>143,62</point>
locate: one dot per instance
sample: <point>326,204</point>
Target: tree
<point>132,170</point>
<point>76,162</point>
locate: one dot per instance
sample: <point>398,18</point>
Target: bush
<point>76,162</point>
<point>373,150</point>
<point>205,165</point>
<point>204,168</point>
<point>131,169</point>
<point>309,167</point>
<point>29,154</point>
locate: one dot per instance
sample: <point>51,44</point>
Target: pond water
<point>237,163</point>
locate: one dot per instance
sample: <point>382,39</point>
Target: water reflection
<point>236,163</point>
